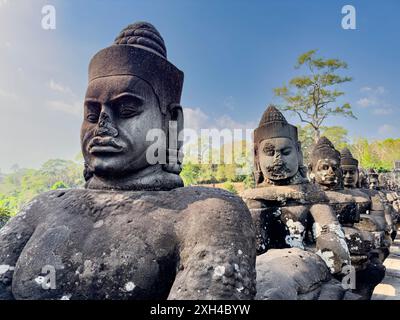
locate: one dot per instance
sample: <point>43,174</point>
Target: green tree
<point>336,134</point>
<point>312,95</point>
<point>5,215</point>
<point>58,185</point>
<point>230,187</point>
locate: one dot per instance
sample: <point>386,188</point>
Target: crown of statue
<point>346,158</point>
<point>274,125</point>
<point>371,172</point>
<point>139,50</point>
<point>324,149</point>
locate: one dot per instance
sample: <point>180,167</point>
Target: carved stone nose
<point>106,126</point>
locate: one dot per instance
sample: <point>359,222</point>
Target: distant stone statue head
<point>132,90</point>
<point>349,167</point>
<point>325,165</point>
<point>373,179</point>
<point>278,159</point>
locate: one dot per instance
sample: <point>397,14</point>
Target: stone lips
<point>140,62</point>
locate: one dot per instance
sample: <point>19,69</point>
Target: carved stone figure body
<point>289,212</point>
<point>327,170</point>
<point>134,232</point>
<point>378,218</point>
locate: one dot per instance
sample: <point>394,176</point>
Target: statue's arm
<point>13,238</point>
<point>330,239</point>
<point>217,254</point>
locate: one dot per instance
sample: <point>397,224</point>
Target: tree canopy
<point>313,96</point>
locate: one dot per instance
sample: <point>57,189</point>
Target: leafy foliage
<point>337,134</point>
<point>313,96</point>
<point>22,185</point>
<point>379,155</point>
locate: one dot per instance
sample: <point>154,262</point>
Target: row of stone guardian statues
<point>312,232</point>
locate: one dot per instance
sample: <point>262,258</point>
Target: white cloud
<point>7,95</point>
<point>226,121</point>
<point>383,111</point>
<point>229,102</point>
<point>75,108</point>
<point>194,118</point>
<point>3,2</point>
<point>375,97</point>
<point>365,89</point>
<point>57,87</point>
<point>366,102</point>
<point>388,130</point>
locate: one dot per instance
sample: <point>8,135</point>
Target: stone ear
<point>174,127</point>
<point>257,173</point>
<point>310,173</point>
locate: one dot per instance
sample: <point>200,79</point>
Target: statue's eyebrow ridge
<point>129,94</point>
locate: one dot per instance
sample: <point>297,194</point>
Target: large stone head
<point>132,89</point>
<point>349,167</point>
<point>277,151</point>
<point>325,165</point>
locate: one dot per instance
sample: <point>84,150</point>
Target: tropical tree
<point>313,96</point>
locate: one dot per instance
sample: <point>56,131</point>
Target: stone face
<point>134,232</point>
<point>335,171</point>
<point>132,89</point>
<point>289,212</point>
<point>325,165</point>
<point>349,167</point>
<point>131,245</point>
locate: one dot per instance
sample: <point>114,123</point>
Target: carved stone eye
<point>269,152</point>
<point>92,117</point>
<point>129,106</point>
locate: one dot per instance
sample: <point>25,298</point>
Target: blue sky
<point>233,54</point>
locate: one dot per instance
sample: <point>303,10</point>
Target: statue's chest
<point>344,206</point>
<point>127,256</point>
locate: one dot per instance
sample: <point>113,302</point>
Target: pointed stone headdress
<point>139,50</point>
<point>274,125</point>
<point>324,149</point>
<point>346,158</point>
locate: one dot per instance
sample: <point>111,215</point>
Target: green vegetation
<point>20,186</point>
<point>312,95</point>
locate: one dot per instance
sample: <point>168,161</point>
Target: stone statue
<point>134,232</point>
<point>331,171</point>
<point>379,219</point>
<point>287,210</point>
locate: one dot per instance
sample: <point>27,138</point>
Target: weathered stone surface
<point>134,233</point>
<point>289,212</point>
<point>344,206</point>
<point>130,245</point>
<point>294,274</point>
<point>286,195</point>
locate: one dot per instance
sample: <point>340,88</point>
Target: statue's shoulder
<point>196,193</point>
<point>297,194</point>
<point>213,202</point>
<point>37,208</point>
